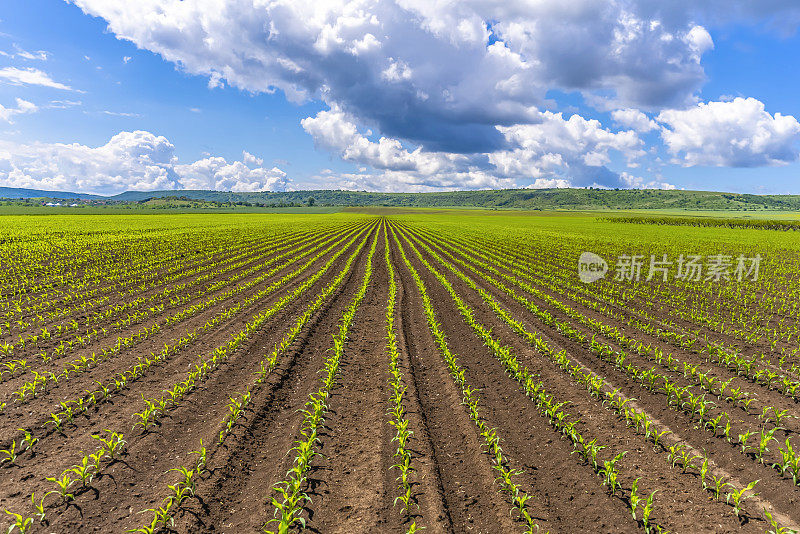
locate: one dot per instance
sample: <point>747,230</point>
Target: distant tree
<point>310,201</point>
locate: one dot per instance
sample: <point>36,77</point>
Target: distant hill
<point>586,199</point>
<point>532,199</point>
<point>17,192</point>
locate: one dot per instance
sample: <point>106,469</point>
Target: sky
<point>104,96</point>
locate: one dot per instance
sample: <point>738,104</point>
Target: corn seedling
<point>29,441</point>
<point>738,497</point>
<point>113,444</point>
<point>85,471</point>
<point>38,508</point>
<point>648,509</point>
<point>63,484</point>
<point>9,455</point>
<point>200,461</point>
<point>775,528</point>
<point>635,498</point>
<point>22,523</point>
<point>610,472</point>
<point>765,438</point>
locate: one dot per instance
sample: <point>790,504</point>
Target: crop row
<point>291,496</point>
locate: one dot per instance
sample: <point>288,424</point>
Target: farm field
<point>396,370</point>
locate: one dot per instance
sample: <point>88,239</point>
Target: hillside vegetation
<point>505,198</point>
<point>527,199</point>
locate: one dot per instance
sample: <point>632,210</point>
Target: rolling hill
<point>578,199</point>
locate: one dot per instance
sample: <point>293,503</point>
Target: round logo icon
<point>591,267</point>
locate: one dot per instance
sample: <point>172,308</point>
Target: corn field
<point>393,372</point>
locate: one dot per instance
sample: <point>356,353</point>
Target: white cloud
<point>137,160</point>
<point>736,133</point>
<point>576,149</point>
<point>38,55</point>
<point>406,69</point>
<point>699,41</point>
<point>30,76</point>
<point>64,104</point>
<point>126,59</point>
<point>634,119</point>
<point>130,160</point>
<point>636,182</point>
<point>118,113</point>
<point>246,175</point>
<point>550,183</point>
<point>337,131</point>
<point>23,106</point>
<point>553,151</point>
<point>372,59</point>
<point>398,168</point>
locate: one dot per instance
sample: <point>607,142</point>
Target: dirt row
<point>97,285</point>
<point>764,396</point>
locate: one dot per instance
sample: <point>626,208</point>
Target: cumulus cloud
<point>737,133</point>
<point>409,67</point>
<point>637,182</point>
<point>575,149</point>
<point>337,131</point>
<point>553,152</point>
<point>23,106</point>
<point>30,76</point>
<point>634,119</point>
<point>550,183</point>
<point>138,160</point>
<point>217,174</point>
<point>454,90</point>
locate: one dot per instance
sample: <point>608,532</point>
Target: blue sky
<point>164,100</point>
<point>104,96</point>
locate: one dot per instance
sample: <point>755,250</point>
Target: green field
<point>577,224</point>
<point>251,370</point>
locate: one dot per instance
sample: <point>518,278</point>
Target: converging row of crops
<point>405,372</point>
